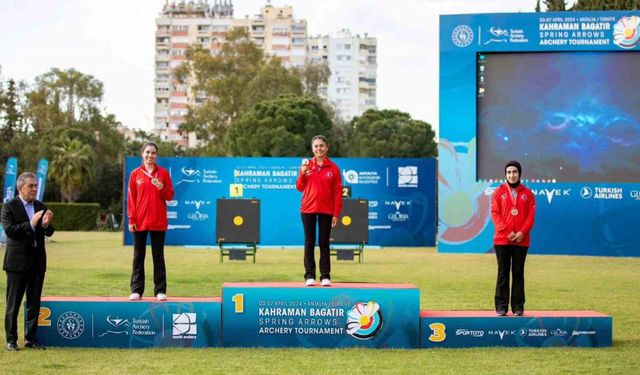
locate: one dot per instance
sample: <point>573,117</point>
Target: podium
<point>238,228</point>
<point>351,233</point>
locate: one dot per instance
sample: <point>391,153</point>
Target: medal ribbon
<point>152,177</point>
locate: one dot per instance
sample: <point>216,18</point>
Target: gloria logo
<point>408,176</point>
<point>70,325</point>
<point>198,216</point>
<point>364,320</point>
<point>462,36</point>
<point>184,326</point>
<point>626,32</point>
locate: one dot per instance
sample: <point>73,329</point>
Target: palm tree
<point>72,167</point>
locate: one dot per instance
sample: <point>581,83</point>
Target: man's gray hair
<point>23,177</point>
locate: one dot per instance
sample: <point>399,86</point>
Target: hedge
<point>74,216</point>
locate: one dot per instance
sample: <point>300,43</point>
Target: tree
<point>11,120</point>
<point>555,5</point>
<point>72,167</point>
<point>229,84</point>
<point>606,5</point>
<point>280,127</point>
<point>389,133</point>
<point>314,76</point>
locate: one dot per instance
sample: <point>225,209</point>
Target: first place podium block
<point>116,322</point>
<point>343,315</point>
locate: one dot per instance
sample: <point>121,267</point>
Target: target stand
<point>238,228</point>
<point>351,233</point>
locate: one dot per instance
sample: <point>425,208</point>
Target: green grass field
<point>96,264</point>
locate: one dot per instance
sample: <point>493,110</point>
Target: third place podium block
<point>343,315</point>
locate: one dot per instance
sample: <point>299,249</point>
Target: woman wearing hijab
<point>513,210</point>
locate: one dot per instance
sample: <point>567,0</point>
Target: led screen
<point>567,116</point>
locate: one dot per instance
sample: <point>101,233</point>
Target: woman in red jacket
<point>513,208</point>
<point>320,182</point>
<point>150,187</point>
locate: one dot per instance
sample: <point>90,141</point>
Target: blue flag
<point>41,177</point>
<point>10,176</point>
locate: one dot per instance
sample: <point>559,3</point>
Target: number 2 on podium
<point>238,301</point>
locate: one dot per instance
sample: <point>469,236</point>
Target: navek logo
<point>551,193</point>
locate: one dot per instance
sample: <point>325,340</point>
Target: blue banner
<point>118,323</point>
<point>10,176</point>
<point>41,177</point>
<point>401,195</point>
<point>344,315</point>
<point>465,329</point>
<point>541,88</point>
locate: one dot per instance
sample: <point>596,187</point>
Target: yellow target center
<point>346,220</point>
<point>238,220</point>
<point>364,320</point>
<point>628,33</point>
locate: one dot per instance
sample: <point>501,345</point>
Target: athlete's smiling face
<point>512,175</point>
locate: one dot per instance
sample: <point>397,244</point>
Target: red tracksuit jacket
<point>146,205</point>
<point>505,222</point>
<point>321,188</point>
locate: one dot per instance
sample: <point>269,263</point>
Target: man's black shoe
<point>502,312</point>
<point>33,345</point>
<point>12,347</point>
<point>518,313</point>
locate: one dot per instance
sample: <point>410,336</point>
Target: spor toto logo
<point>364,320</point>
<point>462,36</point>
<point>70,325</point>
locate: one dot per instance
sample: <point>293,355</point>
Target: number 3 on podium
<point>438,333</point>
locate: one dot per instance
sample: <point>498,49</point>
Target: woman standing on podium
<point>150,187</point>
<point>513,209</point>
<point>320,182</point>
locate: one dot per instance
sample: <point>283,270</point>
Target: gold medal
<point>514,211</point>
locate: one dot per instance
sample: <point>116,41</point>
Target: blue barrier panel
<point>343,315</point>
<point>401,195</point>
<point>460,329</point>
<point>119,323</point>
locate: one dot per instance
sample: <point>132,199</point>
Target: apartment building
<point>353,63</point>
<point>181,24</point>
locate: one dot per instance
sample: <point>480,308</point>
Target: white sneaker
<point>310,282</point>
<point>134,297</point>
<point>161,297</point>
<point>326,282</point>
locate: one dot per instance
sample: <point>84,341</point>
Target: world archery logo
<point>364,320</point>
<point>626,32</point>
